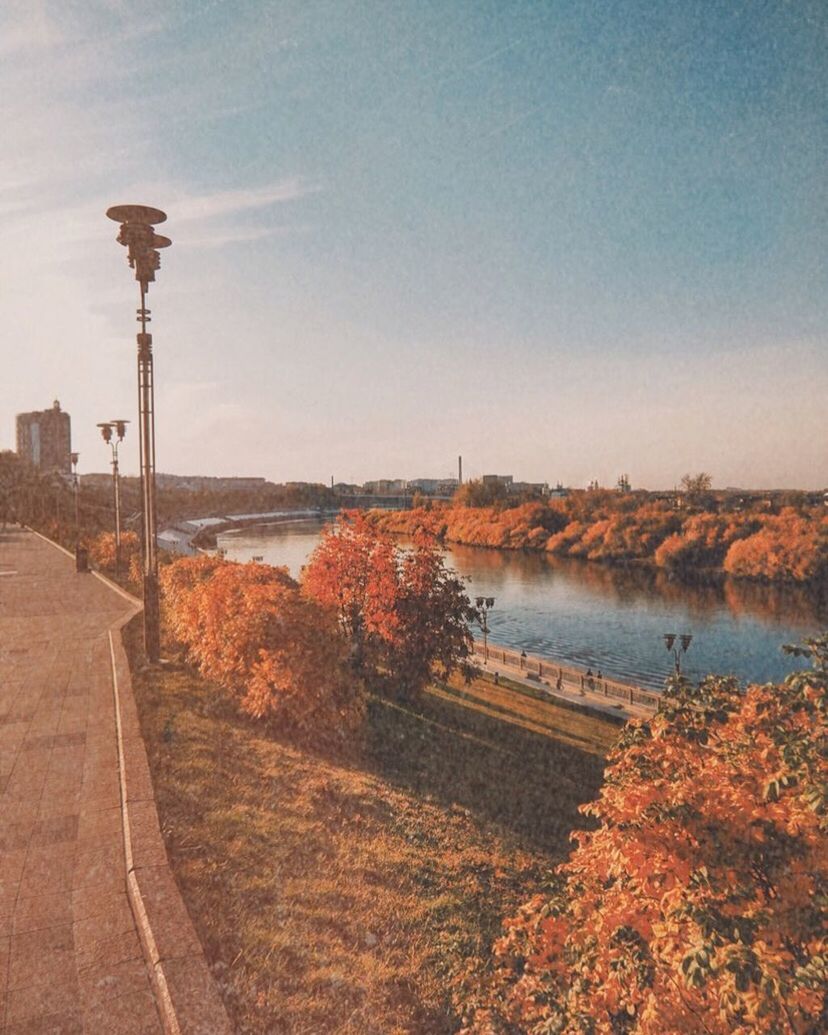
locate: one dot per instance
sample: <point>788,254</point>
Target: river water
<point>600,617</point>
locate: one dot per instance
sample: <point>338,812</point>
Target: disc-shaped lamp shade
<point>136,214</point>
<point>159,241</point>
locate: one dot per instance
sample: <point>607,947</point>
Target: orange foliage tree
<point>703,542</point>
<point>102,550</point>
<point>698,905</point>
<point>789,545</point>
<point>251,629</point>
<point>406,615</point>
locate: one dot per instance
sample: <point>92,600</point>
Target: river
<point>602,617</point>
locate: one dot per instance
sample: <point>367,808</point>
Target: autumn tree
<point>102,551</point>
<point>696,486</point>
<point>477,493</point>
<point>787,546</point>
<point>404,612</point>
<point>279,654</point>
<point>698,904</point>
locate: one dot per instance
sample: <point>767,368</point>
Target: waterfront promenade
<point>566,684</point>
<point>94,936</point>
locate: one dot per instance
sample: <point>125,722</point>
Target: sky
<point>565,239</point>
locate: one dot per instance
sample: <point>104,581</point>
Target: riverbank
<point>345,894</point>
<point>790,545</point>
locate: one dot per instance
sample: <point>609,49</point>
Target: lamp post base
<point>152,619</point>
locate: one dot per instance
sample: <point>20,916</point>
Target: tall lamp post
<point>484,604</point>
<point>143,244</point>
<point>74,457</point>
<point>112,432</point>
<point>684,645</point>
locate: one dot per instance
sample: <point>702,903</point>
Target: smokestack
<point>459,470</point>
<point>331,481</point>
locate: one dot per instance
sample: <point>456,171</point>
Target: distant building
<point>498,479</point>
<point>44,438</point>
<point>385,487</point>
<point>623,485</point>
<point>207,483</point>
<point>433,486</point>
<point>530,488</point>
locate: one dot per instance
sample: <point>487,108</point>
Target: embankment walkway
<point>94,936</point>
<point>608,696</point>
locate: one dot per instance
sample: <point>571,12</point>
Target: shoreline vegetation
<point>700,541</point>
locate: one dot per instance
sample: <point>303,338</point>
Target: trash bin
<point>81,558</point>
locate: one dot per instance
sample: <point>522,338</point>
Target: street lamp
<point>143,244</point>
<point>112,432</point>
<point>74,457</point>
<point>483,606</point>
<point>684,645</point>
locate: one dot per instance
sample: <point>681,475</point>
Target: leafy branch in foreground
<point>698,904</point>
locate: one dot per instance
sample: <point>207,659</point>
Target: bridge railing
<point>567,677</point>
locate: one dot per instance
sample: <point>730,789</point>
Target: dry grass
<point>343,896</point>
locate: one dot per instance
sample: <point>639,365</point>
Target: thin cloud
<point>231,202</point>
<point>221,238</point>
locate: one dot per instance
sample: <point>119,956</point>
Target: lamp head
<point>106,432</point>
<point>669,640</point>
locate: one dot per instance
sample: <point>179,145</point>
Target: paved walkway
<point>570,693</point>
<point>94,934</point>
<point>70,957</point>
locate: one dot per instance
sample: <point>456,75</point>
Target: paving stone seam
<point>164,1002</point>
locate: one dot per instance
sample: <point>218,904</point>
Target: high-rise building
<point>44,438</point>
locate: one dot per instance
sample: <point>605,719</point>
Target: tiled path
<point>70,956</point>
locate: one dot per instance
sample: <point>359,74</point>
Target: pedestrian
<point>559,683</point>
<point>497,679</point>
<point>523,659</point>
<point>599,674</point>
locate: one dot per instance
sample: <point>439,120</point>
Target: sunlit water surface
<point>601,617</point>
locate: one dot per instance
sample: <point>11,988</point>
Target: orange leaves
<point>405,614</point>
<point>600,526</point>
<point>102,551</point>
<point>787,546</point>
<point>695,904</point>
<point>249,627</point>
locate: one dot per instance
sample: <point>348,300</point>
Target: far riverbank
<point>785,545</point>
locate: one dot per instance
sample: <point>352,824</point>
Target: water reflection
<point>605,617</point>
<point>624,586</point>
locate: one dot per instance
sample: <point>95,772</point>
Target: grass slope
<point>343,895</point>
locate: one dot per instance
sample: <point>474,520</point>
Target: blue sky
<point>564,239</point>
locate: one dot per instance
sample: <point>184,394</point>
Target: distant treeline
<point>785,540</point>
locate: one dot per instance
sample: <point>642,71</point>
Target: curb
<point>119,590</point>
<point>163,1001</point>
<point>187,999</point>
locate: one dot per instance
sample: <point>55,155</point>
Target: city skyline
<point>573,242</point>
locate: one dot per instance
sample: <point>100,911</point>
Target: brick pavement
<point>71,959</point>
